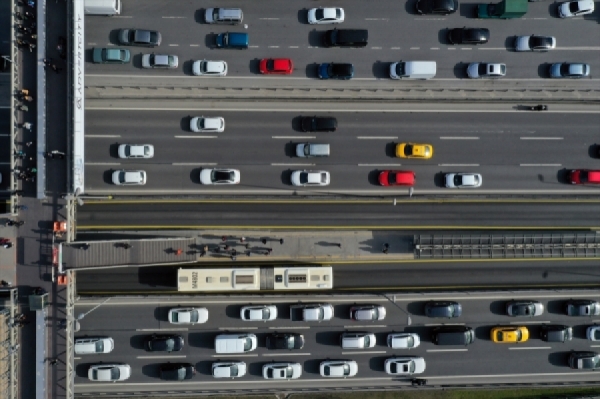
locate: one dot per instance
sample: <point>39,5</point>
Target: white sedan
<point>219,176</point>
<point>258,313</point>
<point>129,177</point>
<point>282,371</point>
<point>136,151</point>
<point>325,16</point>
<point>404,365</point>
<point>403,340</point>
<point>310,178</point>
<point>109,372</point>
<point>463,180</point>
<point>338,368</point>
<point>213,124</point>
<point>209,68</point>
<point>228,369</point>
<point>478,70</point>
<point>188,315</point>
<point>575,8</point>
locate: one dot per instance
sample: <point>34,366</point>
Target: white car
<point>160,61</point>
<point>258,313</point>
<point>575,8</point>
<point>310,178</point>
<point>463,180</point>
<point>214,124</point>
<point>282,371</point>
<point>367,312</point>
<point>209,68</point>
<point>535,43</point>
<point>403,340</point>
<point>136,151</point>
<point>478,70</point>
<point>593,333</point>
<point>219,176</point>
<point>188,315</point>
<point>325,16</point>
<point>338,368</point>
<point>109,372</point>
<point>228,369</point>
<point>129,177</point>
<point>404,365</point>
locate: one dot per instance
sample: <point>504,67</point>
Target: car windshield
<point>523,309</point>
<point>590,362</point>
<point>288,342</point>
<point>499,336</point>
<point>286,372</point>
<point>233,369</point>
<point>166,344</point>
<point>303,178</point>
<point>127,150</point>
<point>410,341</point>
<point>583,176</point>
<point>221,175</point>
<point>457,180</point>
<point>482,69</point>
<point>247,345</point>
<point>115,373</point>
<point>596,334</point>
<point>573,7</point>
<point>153,37</point>
<point>518,335</point>
<point>122,177</point>
<point>270,65</point>
<point>538,42</point>
<point>408,150</point>
<point>100,346</point>
<point>470,35</point>
<point>319,14</point>
<point>392,177</point>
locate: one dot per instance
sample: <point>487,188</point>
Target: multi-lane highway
<point>128,321</point>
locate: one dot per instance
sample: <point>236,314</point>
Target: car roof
<point>142,35</point>
<point>215,66</point>
<point>133,176</point>
<point>212,123</point>
<point>281,64</point>
<point>113,53</point>
<point>315,177</point>
<point>404,177</point>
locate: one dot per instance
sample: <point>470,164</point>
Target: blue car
<point>336,71</point>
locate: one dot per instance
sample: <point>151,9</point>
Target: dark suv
<point>285,341</point>
<point>443,309</point>
<point>164,343</point>
<point>469,35</point>
<point>318,124</point>
<point>176,371</point>
<point>556,333</point>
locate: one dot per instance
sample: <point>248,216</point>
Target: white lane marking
<point>286,354</point>
<point>458,164</point>
<point>594,346</point>
<point>254,46</point>
<point>447,350</point>
<point>363,353</point>
<point>542,138</point>
<point>77,358</point>
<point>376,48</point>
<point>101,136</point>
<point>415,48</point>
<point>238,328</point>
<point>162,357</point>
<point>377,137</point>
<point>103,163</point>
<point>466,49</point>
<point>123,16</point>
<point>196,137</point>
<point>528,348</point>
<point>458,138</point>
<point>492,48</point>
<point>380,164</point>
<point>540,164</point>
<point>294,137</point>
<point>290,328</point>
<point>443,324</point>
<point>434,48</point>
<point>366,326</point>
<point>194,164</point>
<point>591,48</point>
<point>528,322</point>
<point>377,19</point>
<point>194,45</point>
<point>394,48</point>
<point>269,19</point>
<point>173,17</point>
<point>236,355</point>
<point>273,46</point>
<point>162,329</point>
<point>173,45</point>
<point>293,47</point>
<point>292,164</point>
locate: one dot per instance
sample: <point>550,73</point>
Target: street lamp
<point>408,319</point>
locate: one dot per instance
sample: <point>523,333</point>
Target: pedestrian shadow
<point>327,244</point>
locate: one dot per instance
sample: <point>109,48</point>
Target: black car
<point>469,35</point>
<point>319,124</point>
<point>443,309</point>
<point>336,70</point>
<point>584,360</point>
<point>176,371</point>
<point>139,37</point>
<point>285,341</point>
<point>164,343</point>
<point>556,333</point>
<point>442,7</point>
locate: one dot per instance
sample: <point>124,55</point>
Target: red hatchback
<point>584,176</point>
<point>282,66</point>
<point>397,178</point>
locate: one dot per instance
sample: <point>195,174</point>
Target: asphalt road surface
<point>128,322</point>
<point>515,151</point>
<point>396,32</point>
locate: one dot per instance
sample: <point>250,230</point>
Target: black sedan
<point>285,341</point>
<point>164,343</point>
<point>441,7</point>
<point>443,309</point>
<point>318,124</point>
<point>336,70</point>
<point>176,371</point>
<point>469,35</point>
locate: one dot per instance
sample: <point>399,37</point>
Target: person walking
<point>47,62</point>
<point>56,69</point>
<point>23,108</point>
<point>29,143</point>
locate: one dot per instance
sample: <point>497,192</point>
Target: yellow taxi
<point>412,150</point>
<point>509,334</point>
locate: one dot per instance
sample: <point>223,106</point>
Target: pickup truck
<point>311,312</point>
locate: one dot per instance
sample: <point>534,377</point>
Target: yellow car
<point>412,150</point>
<point>509,334</point>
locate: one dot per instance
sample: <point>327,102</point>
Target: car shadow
<point>136,60</point>
<point>254,66</point>
<point>483,332</point>
<point>443,36</point>
<point>290,149</point>
<point>468,10</point>
<point>381,69</point>
<point>438,179</point>
<point>297,123</point>
<point>161,313</point>
<point>210,40</point>
<point>113,37</point>
<point>544,70</point>
<point>88,55</point>
<point>187,67</point>
<point>137,341</point>
<point>377,363</point>
<point>151,370</point>
<point>411,7</point>
<point>556,307</point>
<point>373,177</point>
<point>312,366</point>
<point>195,175</point>
<point>107,176</point>
<point>562,176</point>
<point>81,369</point>
<point>203,339</point>
<point>233,311</point>
<point>113,150</point>
<point>498,308</point>
<point>312,71</point>
<point>509,43</point>
<point>390,150</point>
<point>416,308</point>
<point>594,151</point>
<point>204,367</point>
<point>560,359</point>
<point>199,16</point>
<point>315,38</point>
<point>460,70</point>
<point>302,16</point>
<point>184,123</point>
<point>286,177</point>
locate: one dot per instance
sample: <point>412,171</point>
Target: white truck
<point>311,312</point>
<point>102,7</point>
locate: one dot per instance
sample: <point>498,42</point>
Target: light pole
<point>81,316</point>
<point>408,319</point>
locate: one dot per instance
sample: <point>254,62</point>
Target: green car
<point>110,56</point>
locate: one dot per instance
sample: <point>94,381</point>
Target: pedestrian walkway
<point>8,256</point>
<point>239,247</point>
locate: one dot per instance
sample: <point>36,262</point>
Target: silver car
<point>525,307</point>
<point>569,70</point>
<point>160,61</point>
<point>129,177</point>
<point>463,180</point>
<point>228,369</point>
<point>258,313</point>
<point>367,312</point>
<point>535,43</point>
<point>575,8</point>
<point>109,372</point>
<point>478,70</point>
<point>403,340</point>
<point>209,68</point>
<point>188,316</point>
<point>338,368</point>
<point>305,178</point>
<point>136,151</point>
<point>282,371</point>
<point>213,124</point>
<point>404,365</point>
<point>323,16</point>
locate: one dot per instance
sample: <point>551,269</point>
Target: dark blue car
<point>336,71</point>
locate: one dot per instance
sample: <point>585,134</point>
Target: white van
<point>92,345</point>
<point>235,343</point>
<point>357,340</point>
<point>413,70</point>
<point>308,150</point>
<point>102,7</point>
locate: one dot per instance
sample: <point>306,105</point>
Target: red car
<point>397,178</point>
<point>281,66</point>
<point>584,176</point>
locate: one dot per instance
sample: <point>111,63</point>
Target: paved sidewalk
<point>8,256</point>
